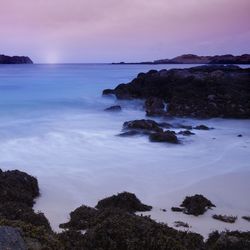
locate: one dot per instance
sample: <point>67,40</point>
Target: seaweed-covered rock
<point>234,240</point>
<point>127,201</point>
<point>10,238</point>
<point>154,106</point>
<point>20,211</point>
<point>18,186</point>
<point>114,108</point>
<point>196,205</point>
<point>117,229</point>
<point>225,218</point>
<point>166,136</point>
<point>35,237</point>
<point>81,218</point>
<point>149,125</point>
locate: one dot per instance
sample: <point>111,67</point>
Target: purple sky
<point>122,30</point>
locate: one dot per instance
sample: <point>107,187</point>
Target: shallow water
<point>52,125</point>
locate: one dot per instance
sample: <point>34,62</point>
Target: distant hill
<point>15,60</point>
<point>194,59</point>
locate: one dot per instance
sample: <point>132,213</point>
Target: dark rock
<point>165,125</point>
<point>166,136</point>
<point>154,106</point>
<point>225,218</point>
<point>108,92</point>
<point>186,133</point>
<point>164,210</point>
<point>18,186</point>
<point>234,240</point>
<point>196,205</point>
<point>15,60</point>
<point>177,209</point>
<point>10,238</point>
<point>126,201</point>
<point>204,91</point>
<point>239,135</point>
<point>133,133</point>
<point>149,125</point>
<point>246,218</point>
<point>181,224</point>
<point>202,127</point>
<point>20,211</point>
<point>114,108</point>
<point>116,229</point>
<point>81,218</point>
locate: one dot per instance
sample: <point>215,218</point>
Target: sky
<point>61,31</point>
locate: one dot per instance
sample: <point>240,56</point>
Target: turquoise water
<point>52,125</point>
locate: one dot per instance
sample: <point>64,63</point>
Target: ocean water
<point>52,125</point>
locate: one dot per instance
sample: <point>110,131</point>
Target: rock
<point>202,92</point>
<point>81,218</point>
<point>18,186</point>
<point>246,218</point>
<point>186,133</point>
<point>181,224</point>
<point>127,201</point>
<point>108,92</point>
<point>15,60</point>
<point>166,136</point>
<point>154,106</point>
<point>234,240</point>
<point>10,238</point>
<point>202,127</point>
<point>20,211</point>
<point>117,229</point>
<point>114,108</point>
<point>149,125</point>
<point>177,209</point>
<point>225,218</point>
<point>239,135</point>
<point>196,205</point>
<point>165,125</point>
<point>133,133</point>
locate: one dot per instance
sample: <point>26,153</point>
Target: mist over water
<point>52,125</point>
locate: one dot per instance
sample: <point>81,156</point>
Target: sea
<point>53,126</point>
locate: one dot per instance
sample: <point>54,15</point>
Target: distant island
<point>15,60</point>
<point>195,59</point>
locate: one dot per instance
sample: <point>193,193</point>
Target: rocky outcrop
<point>15,60</point>
<point>195,59</point>
<point>225,218</point>
<point>204,91</point>
<point>126,201</point>
<point>196,205</point>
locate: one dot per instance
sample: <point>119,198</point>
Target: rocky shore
<point>200,92</point>
<point>15,60</point>
<point>195,59</point>
<point>113,224</point>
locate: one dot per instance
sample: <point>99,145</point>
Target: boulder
<point>166,136</point>
<point>201,127</point>
<point>11,239</point>
<point>196,205</point>
<point>177,209</point>
<point>247,218</point>
<point>149,125</point>
<point>18,186</point>
<point>127,201</point>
